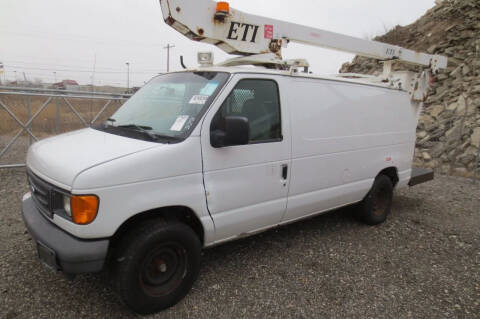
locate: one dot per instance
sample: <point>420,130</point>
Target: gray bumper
<point>69,254</point>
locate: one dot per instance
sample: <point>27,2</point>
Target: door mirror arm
<point>217,138</point>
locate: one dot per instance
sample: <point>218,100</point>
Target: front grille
<point>41,193</point>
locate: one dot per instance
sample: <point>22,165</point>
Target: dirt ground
<point>424,262</point>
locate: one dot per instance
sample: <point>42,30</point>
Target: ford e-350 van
<point>197,158</point>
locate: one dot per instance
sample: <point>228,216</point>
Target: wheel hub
<point>162,269</point>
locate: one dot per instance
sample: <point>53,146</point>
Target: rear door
<point>247,185</point>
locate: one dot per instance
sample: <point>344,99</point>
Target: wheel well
<point>178,213</point>
<point>392,173</point>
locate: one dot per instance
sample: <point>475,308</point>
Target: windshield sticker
<point>199,99</point>
<point>179,123</point>
<point>189,123</point>
<point>209,88</point>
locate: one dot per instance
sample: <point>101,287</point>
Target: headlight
<point>83,208</point>
<point>66,205</point>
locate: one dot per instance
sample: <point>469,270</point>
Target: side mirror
<point>237,132</point>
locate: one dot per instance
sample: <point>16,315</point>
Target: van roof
<point>342,77</point>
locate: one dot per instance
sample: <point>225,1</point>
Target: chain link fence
<point>30,114</point>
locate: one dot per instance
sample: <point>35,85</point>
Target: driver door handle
<point>284,171</point>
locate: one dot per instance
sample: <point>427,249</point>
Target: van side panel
<point>343,135</point>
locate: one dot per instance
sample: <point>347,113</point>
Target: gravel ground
<point>424,262</point>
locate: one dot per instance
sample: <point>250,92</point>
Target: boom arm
<point>241,33</point>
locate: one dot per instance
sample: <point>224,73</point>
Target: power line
<point>53,65</point>
<point>82,61</point>
<point>79,70</point>
<point>50,77</point>
<point>37,35</point>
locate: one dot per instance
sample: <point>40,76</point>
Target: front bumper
<point>59,249</point>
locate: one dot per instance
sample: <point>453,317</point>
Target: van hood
<point>61,158</point>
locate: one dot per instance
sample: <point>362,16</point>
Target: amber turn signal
<point>84,208</point>
<point>223,7</point>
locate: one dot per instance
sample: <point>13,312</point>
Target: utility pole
<point>93,73</point>
<point>2,71</point>
<point>128,75</point>
<point>55,76</point>
<point>93,84</point>
<point>168,47</point>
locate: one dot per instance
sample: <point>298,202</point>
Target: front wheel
<point>156,265</point>
<point>376,205</point>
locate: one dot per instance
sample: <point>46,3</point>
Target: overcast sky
<point>71,36</point>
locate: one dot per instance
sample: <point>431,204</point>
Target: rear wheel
<point>156,265</point>
<point>376,205</point>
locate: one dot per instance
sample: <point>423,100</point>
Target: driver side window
<point>258,101</point>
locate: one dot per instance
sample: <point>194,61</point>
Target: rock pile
<point>448,134</point>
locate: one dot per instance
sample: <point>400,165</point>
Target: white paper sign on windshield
<point>179,123</point>
<point>199,99</point>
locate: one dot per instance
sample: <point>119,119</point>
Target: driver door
<point>247,185</point>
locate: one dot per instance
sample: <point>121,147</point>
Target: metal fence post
<point>57,116</point>
<point>29,116</point>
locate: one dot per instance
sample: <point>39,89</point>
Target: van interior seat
<point>254,110</point>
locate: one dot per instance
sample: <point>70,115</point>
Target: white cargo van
<point>200,157</point>
<point>207,155</point>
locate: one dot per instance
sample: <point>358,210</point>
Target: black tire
<point>376,206</point>
<point>156,265</point>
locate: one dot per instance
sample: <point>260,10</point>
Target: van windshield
<point>168,107</point>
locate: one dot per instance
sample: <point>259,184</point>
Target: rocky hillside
<point>448,135</point>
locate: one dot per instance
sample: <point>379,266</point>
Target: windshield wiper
<point>140,128</point>
<point>137,127</point>
<point>147,131</point>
